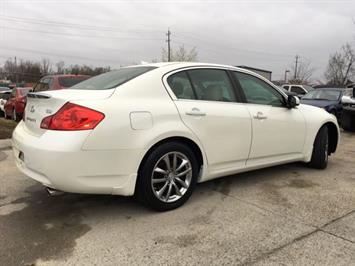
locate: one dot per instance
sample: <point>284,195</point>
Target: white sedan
<point>156,130</point>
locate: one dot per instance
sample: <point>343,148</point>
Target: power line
<point>70,25</point>
<point>57,55</point>
<point>79,35</point>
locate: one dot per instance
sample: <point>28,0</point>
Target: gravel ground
<point>6,128</point>
<point>285,215</point>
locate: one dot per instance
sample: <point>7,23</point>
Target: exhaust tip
<point>53,192</point>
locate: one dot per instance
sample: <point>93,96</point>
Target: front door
<point>278,132</point>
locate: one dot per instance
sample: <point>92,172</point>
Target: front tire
<point>320,150</point>
<point>167,177</point>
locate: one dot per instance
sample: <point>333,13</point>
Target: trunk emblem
<point>32,110</point>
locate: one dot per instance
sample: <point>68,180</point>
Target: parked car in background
<point>4,96</point>
<point>300,90</point>
<point>58,82</point>
<point>4,89</point>
<point>158,129</point>
<point>15,105</point>
<point>330,99</point>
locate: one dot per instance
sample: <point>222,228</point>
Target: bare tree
<point>181,54</point>
<point>46,66</point>
<point>341,66</point>
<point>303,73</point>
<point>60,67</point>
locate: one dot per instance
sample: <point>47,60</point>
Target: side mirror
<point>292,101</point>
<point>347,100</point>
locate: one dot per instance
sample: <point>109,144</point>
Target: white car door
<point>208,105</point>
<point>278,132</point>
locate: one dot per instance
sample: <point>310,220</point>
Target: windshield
<point>112,79</point>
<point>329,95</point>
<point>71,81</point>
<point>308,88</point>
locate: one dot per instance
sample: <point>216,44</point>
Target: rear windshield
<point>112,79</point>
<point>71,81</point>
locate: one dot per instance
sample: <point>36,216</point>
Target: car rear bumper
<point>56,160</point>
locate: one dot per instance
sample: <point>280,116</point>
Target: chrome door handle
<point>260,116</point>
<point>195,112</point>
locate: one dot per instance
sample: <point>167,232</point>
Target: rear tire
<point>164,180</point>
<point>320,149</point>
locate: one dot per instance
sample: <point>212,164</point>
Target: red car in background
<point>15,105</point>
<point>58,82</point>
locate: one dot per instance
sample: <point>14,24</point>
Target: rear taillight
<point>73,117</point>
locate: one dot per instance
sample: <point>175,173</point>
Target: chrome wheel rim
<point>171,177</point>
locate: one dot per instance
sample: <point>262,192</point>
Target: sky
<point>256,33</point>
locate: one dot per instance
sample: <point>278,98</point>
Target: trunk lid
<point>43,104</point>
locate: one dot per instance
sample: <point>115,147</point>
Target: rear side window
<point>181,86</point>
<point>70,81</point>
<point>212,85</point>
<point>112,79</point>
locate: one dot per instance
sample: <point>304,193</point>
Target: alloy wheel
<point>171,177</point>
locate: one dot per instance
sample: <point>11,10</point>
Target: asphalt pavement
<point>284,215</point>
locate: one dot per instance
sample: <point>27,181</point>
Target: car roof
<point>171,66</point>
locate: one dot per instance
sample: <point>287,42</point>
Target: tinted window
<point>70,81</point>
<point>112,79</point>
<point>181,86</point>
<point>257,91</point>
<point>286,87</point>
<point>297,90</point>
<point>212,85</point>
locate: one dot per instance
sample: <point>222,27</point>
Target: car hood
<point>318,103</point>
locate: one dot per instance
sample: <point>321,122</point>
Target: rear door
<point>278,132</point>
<point>209,106</point>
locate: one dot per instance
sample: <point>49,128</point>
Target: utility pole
<point>168,41</point>
<point>296,63</point>
<point>16,70</point>
<point>286,71</point>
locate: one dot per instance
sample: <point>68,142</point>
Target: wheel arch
<point>333,136</point>
<point>197,150</point>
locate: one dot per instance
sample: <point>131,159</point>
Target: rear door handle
<point>260,116</point>
<point>195,112</point>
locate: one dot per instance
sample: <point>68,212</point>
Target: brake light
<point>73,117</point>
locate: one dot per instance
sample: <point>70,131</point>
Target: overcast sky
<point>263,34</point>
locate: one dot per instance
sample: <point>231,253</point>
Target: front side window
<point>297,90</point>
<point>181,86</point>
<point>257,91</point>
<point>212,85</point>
